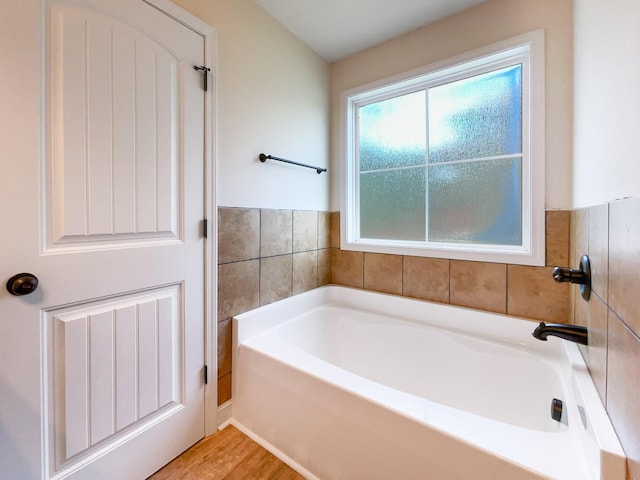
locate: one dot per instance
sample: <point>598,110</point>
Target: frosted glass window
<point>474,120</point>
<point>476,117</point>
<point>448,161</point>
<point>476,202</point>
<point>393,204</point>
<point>392,132</point>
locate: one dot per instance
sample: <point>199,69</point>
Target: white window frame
<point>527,49</point>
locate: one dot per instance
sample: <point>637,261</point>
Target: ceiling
<point>338,28</point>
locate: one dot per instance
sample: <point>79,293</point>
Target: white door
<point>102,199</point>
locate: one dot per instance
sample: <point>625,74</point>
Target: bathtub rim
<point>338,295</point>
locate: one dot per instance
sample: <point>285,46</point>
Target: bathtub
<point>350,384</point>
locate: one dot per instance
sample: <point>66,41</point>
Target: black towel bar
<point>264,158</point>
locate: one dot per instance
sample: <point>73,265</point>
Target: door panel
<point>113,363</point>
<point>115,103</point>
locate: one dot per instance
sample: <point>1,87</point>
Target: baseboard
<point>224,414</point>
<point>272,449</point>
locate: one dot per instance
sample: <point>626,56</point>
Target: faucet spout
<point>573,333</point>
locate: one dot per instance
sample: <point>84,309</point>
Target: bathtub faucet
<point>573,333</point>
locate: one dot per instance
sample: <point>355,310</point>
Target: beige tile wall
<point>610,235</point>
<point>512,289</point>
<point>263,256</point>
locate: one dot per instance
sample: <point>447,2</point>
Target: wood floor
<point>226,455</point>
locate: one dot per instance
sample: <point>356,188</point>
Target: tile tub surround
<point>265,255</point>
<point>517,290</point>
<point>610,235</point>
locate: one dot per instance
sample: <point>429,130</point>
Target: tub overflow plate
<point>556,409</point>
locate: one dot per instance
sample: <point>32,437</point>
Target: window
<point>448,161</point>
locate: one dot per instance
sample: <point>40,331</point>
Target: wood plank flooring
<point>226,455</point>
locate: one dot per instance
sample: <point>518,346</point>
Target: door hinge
<point>205,75</point>
<point>206,374</point>
<point>205,228</point>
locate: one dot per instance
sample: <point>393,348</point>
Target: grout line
<point>449,292</point>
<point>624,324</point>
<point>260,233</point>
<point>402,276</point>
<point>606,362</point>
<point>609,310</point>
<point>608,247</point>
<point>506,290</point>
<point>292,249</point>
<point>291,277</point>
<point>259,256</point>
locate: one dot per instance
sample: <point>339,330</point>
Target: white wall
<point>607,102</point>
<point>273,97</point>
<point>482,25</point>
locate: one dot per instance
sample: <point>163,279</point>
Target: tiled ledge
<point>265,255</point>
<point>516,290</point>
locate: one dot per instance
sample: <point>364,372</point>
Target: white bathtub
<point>355,385</point>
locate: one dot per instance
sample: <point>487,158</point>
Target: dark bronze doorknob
<point>22,284</point>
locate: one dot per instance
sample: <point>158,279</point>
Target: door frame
<point>210,205</point>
